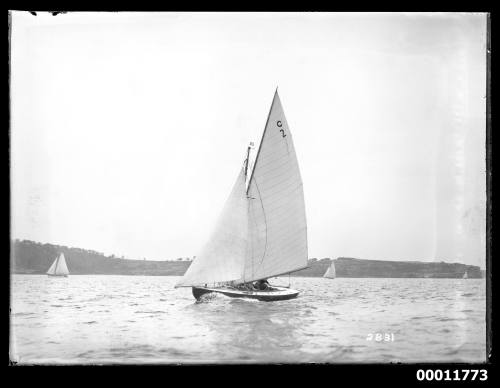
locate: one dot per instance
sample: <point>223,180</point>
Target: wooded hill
<point>29,257</point>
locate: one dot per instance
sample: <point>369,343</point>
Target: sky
<point>128,129</point>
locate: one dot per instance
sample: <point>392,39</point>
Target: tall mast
<point>248,159</point>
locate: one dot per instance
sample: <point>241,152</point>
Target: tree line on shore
<point>30,257</point>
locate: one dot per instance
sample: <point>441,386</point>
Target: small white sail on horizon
<point>465,276</point>
<point>262,232</point>
<point>59,267</point>
<point>330,272</point>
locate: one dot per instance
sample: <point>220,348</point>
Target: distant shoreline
<point>33,258</point>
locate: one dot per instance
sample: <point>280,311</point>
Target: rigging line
<point>251,231</point>
<point>265,221</point>
<point>251,245</point>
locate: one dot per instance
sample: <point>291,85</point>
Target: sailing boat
<point>262,231</point>
<point>330,272</point>
<point>59,267</point>
<point>465,275</point>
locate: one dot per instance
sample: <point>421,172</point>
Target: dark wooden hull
<point>281,293</point>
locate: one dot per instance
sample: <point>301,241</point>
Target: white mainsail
<point>262,231</point>
<point>223,257</point>
<point>59,266</point>
<point>330,272</point>
<point>277,219</point>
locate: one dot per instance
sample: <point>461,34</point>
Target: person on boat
<point>262,285</point>
<point>243,287</point>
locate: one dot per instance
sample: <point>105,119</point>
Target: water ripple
<point>99,321</point>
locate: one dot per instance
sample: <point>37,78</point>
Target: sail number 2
<point>280,124</point>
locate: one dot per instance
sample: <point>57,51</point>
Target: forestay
<point>276,216</point>
<point>222,258</point>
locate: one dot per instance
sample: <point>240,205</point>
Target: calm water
<point>135,319</point>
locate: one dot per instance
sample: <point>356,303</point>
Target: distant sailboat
<point>330,272</point>
<point>465,275</point>
<point>58,267</point>
<point>262,231</point>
